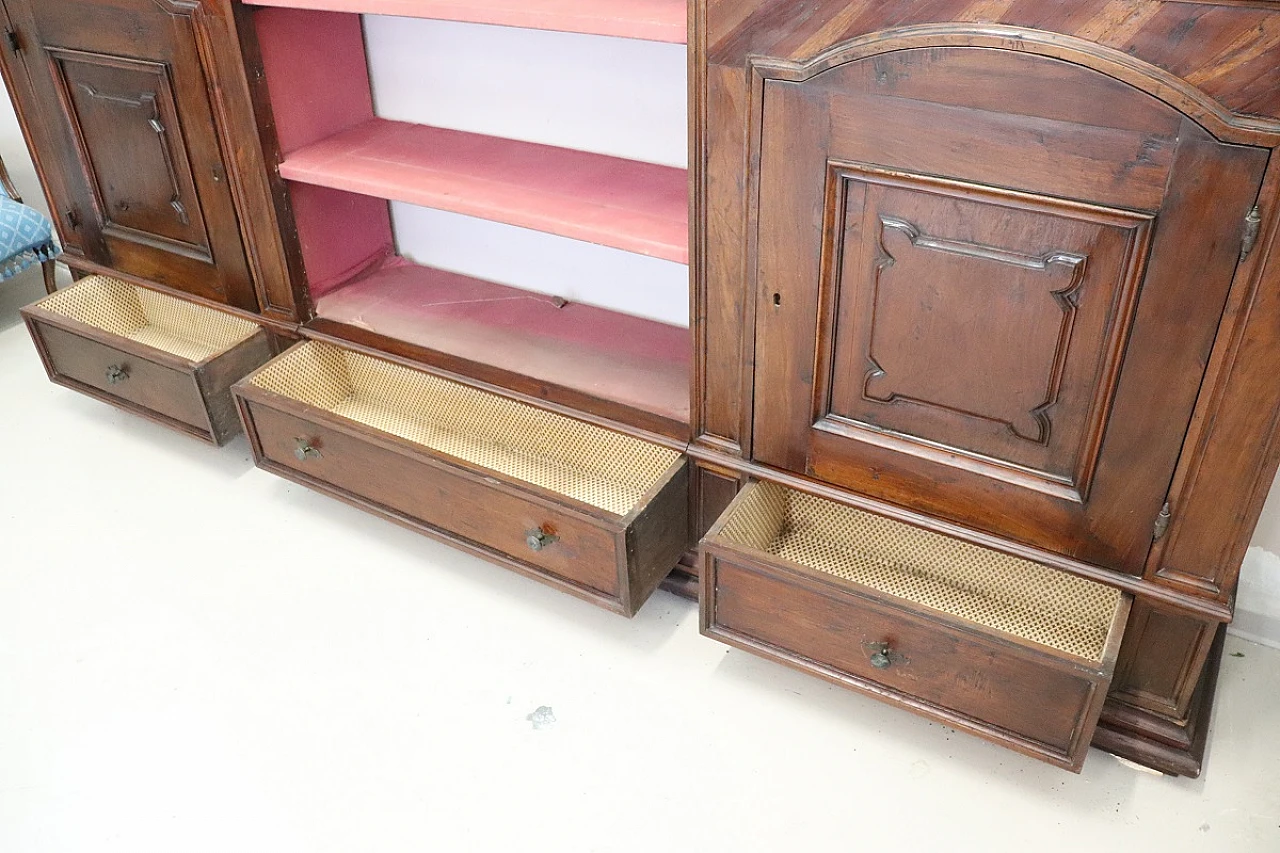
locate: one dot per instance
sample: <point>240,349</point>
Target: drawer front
<point>141,383</point>
<point>995,689</point>
<point>433,494</point>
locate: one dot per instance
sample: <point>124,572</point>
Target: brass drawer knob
<point>305,450</point>
<point>539,539</point>
<point>117,374</point>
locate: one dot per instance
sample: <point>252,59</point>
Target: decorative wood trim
<point>697,63</point>
<point>1073,486</point>
<point>1247,315</point>
<point>1217,119</point>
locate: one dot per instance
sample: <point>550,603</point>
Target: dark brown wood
<point>1206,388</point>
<point>50,270</point>
<point>657,536</point>
<point>1037,415</point>
<point>842,151</point>
<point>127,120</point>
<point>1163,657</point>
<point>191,397</point>
<point>714,489</point>
<point>683,581</point>
<point>951,670</point>
<point>1175,747</point>
<point>613,562</point>
<point>138,115</point>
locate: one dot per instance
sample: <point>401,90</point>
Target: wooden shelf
<point>637,207</point>
<point>649,20</point>
<point>629,363</point>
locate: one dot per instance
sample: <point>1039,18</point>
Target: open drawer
<point>592,511</point>
<point>1011,650</point>
<point>162,357</point>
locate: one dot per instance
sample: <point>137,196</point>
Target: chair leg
<point>50,276</point>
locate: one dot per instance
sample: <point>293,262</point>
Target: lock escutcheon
<point>305,450</point>
<point>882,655</point>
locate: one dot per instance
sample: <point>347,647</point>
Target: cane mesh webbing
<point>171,325</point>
<point>590,464</point>
<point>1009,594</point>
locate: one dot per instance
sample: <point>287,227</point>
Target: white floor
<point>197,656</point>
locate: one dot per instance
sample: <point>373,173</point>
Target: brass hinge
<point>1162,522</point>
<point>1252,227</point>
<point>15,44</point>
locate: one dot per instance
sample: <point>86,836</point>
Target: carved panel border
<point>1074,488</point>
<point>167,137</point>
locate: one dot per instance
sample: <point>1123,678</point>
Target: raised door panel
<point>922,263</point>
<point>123,105</point>
<point>991,302</point>
<point>129,135</point>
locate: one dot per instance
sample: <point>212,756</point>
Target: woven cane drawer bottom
<point>480,471</point>
<point>153,354</point>
<point>1013,651</point>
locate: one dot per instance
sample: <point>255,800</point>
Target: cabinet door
<point>122,113</point>
<point>988,285</point>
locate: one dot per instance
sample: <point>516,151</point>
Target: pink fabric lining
<point>317,75</point>
<point>637,207</point>
<point>652,20</point>
<point>636,362</point>
<point>342,235</point>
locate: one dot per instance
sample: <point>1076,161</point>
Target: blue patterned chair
<point>26,235</point>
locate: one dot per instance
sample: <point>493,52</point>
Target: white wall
<point>13,148</point>
<point>612,96</point>
<point>573,91</point>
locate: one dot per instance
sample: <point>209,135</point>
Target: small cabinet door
<point>988,284</point>
<point>121,117</point>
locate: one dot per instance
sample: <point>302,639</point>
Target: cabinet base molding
<point>1172,747</point>
<point>683,581</point>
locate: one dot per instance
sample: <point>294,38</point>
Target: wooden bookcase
<point>342,164</point>
<point>1075,206</point>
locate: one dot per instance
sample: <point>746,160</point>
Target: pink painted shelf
<point>631,361</point>
<point>649,20</point>
<point>637,207</point>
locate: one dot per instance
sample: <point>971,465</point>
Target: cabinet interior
<point>345,165</point>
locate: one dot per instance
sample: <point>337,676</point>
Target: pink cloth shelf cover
<point>626,204</point>
<point>648,20</point>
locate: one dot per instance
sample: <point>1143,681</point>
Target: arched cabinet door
<point>988,283</point>
<point>125,132</point>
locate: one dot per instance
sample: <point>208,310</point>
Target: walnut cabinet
<point>975,413</point>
